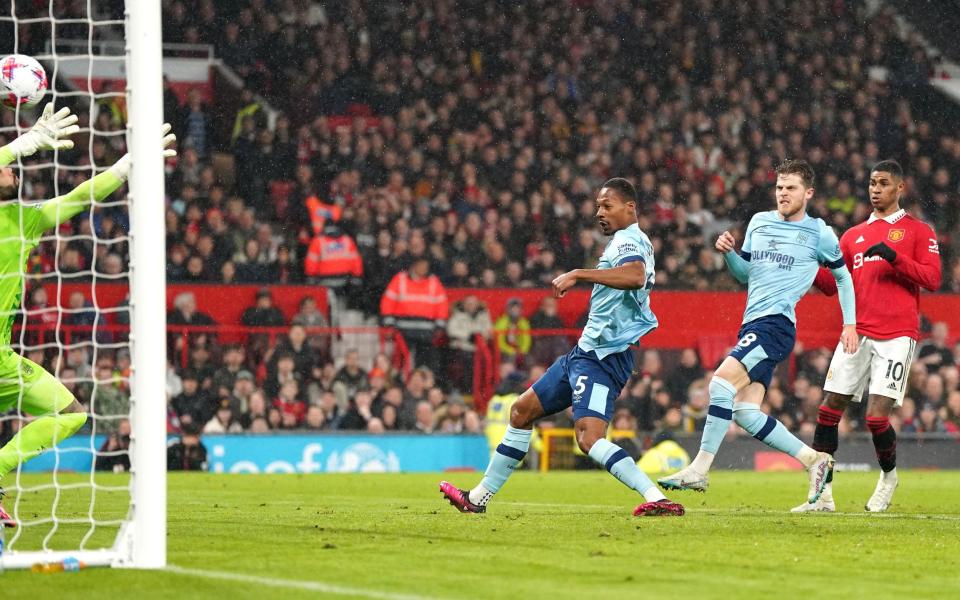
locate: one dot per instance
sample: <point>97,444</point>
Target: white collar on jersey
<point>889,218</point>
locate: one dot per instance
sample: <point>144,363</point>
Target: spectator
<point>310,317</point>
<point>41,316</point>
<point>294,345</point>
<point>114,453</point>
<point>289,404</point>
<point>196,124</point>
<point>546,348</point>
<point>243,388</point>
<point>188,452</point>
<point>415,302</point>
<point>256,409</point>
<point>185,313</point>
<point>109,402</point>
<point>193,401</point>
<point>929,421</point>
<point>263,313</point>
<point>453,416</point>
<point>424,417</point>
<point>233,360</point>
<point>223,421</point>
<point>332,414</point>
<point>935,352</point>
<point>513,333</point>
<point>259,425</point>
<point>470,319</point>
<point>350,379</point>
<point>80,315</point>
<point>685,374</point>
<point>694,411</point>
<point>314,420</point>
<point>251,266</point>
<point>359,413</point>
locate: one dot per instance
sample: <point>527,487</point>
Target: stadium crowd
<point>474,135</point>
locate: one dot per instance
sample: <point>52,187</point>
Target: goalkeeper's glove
<point>46,134</point>
<point>883,251</point>
<point>121,168</point>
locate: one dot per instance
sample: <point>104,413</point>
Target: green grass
<point>561,535</point>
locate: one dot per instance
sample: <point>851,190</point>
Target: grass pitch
<point>560,535</point>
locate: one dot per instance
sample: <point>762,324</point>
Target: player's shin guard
<point>44,432</point>
<point>825,437</point>
<point>616,460</point>
<point>718,415</point>
<point>766,429</point>
<point>512,449</point>
<point>884,441</point>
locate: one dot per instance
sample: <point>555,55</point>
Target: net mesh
<point>73,318</point>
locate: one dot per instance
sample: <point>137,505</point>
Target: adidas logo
<point>859,239</point>
<point>892,386</point>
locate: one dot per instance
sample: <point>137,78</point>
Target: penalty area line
<point>294,584</point>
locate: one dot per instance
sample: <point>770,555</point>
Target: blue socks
<point>616,460</point>
<point>748,416</point>
<point>719,414</point>
<point>766,429</point>
<point>505,459</point>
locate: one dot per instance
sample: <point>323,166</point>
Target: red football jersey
<point>888,295</point>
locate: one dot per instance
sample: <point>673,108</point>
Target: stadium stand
<point>474,134</point>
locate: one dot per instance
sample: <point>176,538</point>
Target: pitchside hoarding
<point>333,453</point>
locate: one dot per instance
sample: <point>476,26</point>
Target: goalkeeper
<point>23,383</point>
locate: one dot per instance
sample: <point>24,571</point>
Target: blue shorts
<point>763,344</point>
<point>589,384</point>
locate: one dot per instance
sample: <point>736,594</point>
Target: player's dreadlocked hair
<point>797,167</point>
<point>889,166</point>
<point>623,188</point>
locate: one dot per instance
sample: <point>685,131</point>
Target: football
<point>22,81</point>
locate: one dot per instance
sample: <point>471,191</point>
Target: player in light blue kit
<point>592,375</point>
<point>782,251</point>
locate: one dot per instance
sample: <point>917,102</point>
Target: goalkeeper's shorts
<point>28,387</point>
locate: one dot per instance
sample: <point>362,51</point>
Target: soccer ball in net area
<point>22,81</point>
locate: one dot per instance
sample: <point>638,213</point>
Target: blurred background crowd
<point>463,143</point>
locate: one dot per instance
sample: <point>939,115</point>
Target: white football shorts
<point>885,364</point>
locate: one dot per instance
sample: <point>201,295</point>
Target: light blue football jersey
<point>619,318</point>
<point>784,258</point>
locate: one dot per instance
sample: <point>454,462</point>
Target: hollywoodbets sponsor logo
<point>783,261</point>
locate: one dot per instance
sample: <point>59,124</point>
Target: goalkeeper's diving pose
<point>24,384</point>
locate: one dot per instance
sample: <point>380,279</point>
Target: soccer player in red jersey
<point>892,255</point>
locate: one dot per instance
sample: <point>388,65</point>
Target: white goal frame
<point>142,538</point>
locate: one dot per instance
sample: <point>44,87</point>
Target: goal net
<point>93,295</point>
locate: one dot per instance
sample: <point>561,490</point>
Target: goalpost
<point>139,526</point>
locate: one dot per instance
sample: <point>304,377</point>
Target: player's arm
<point>737,262</point>
<point>46,134</point>
<point>925,270</point>
<point>825,281</point>
<point>829,255</point>
<point>63,208</point>
<point>628,276</point>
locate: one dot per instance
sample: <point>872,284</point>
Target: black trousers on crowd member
<point>422,349</point>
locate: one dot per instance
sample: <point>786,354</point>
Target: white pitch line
<point>296,584</point>
<point>750,512</point>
